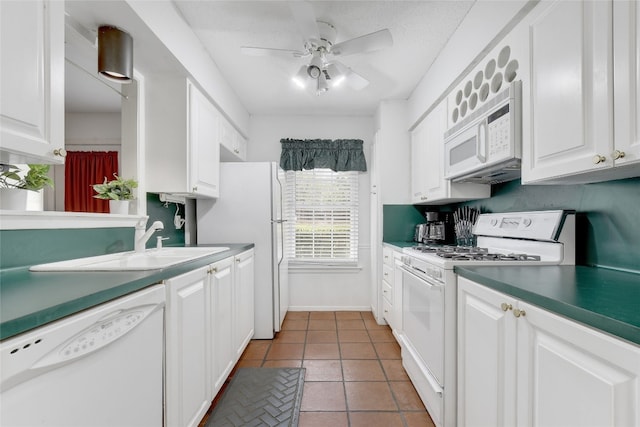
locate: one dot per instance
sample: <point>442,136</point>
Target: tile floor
<point>354,375</point>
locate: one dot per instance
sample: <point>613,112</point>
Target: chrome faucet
<point>141,237</point>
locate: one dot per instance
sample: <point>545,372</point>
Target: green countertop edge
<point>400,245</point>
<point>112,285</point>
<point>616,313</point>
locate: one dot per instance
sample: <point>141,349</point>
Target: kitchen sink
<point>150,259</point>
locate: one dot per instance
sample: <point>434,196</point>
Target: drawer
<point>387,311</point>
<point>387,273</point>
<point>387,292</point>
<point>387,256</point>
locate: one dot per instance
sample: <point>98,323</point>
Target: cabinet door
<point>221,303</point>
<point>626,41</point>
<point>571,90</point>
<point>419,156</point>
<point>435,126</point>
<point>204,149</point>
<point>31,81</point>
<point>572,375</point>
<point>486,356</point>
<point>186,387</point>
<point>244,301</point>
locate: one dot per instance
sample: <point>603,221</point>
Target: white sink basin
<point>151,259</point>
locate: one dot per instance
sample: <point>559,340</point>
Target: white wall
<point>322,289</point>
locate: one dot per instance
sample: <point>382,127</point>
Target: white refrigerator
<point>249,210</point>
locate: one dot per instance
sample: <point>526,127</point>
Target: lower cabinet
<point>206,333</point>
<point>521,365</point>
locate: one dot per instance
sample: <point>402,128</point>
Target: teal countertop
<point>605,299</point>
<point>31,299</point>
<point>401,244</point>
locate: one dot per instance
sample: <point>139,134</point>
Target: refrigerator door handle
<point>278,221</point>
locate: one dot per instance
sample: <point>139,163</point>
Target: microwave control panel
<point>499,132</point>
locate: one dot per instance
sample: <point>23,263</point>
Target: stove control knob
<point>526,222</point>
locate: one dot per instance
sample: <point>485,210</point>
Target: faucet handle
<point>159,240</point>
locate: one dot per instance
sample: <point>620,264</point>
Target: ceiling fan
<point>323,70</point>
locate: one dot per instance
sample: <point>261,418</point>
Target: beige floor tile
<point>348,315</point>
<point>418,419</point>
<point>322,315</point>
<point>323,370</point>
<point>387,350</point>
<point>322,351</point>
<point>406,396</point>
<point>282,363</point>
<point>323,396</point>
<point>322,325</point>
<point>375,419</point>
<point>351,324</point>
<point>362,370</point>
<point>394,370</point>
<point>323,419</point>
<point>381,335</point>
<point>353,335</point>
<point>290,337</point>
<point>369,396</point>
<point>285,351</point>
<point>357,350</point>
<point>316,337</point>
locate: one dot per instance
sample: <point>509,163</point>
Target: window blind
<point>322,211</point>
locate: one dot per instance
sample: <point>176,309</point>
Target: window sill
<point>323,268</point>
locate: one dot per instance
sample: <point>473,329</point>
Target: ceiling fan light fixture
<point>314,70</point>
<point>336,75</point>
<point>115,54</point>
<point>301,78</point>
<point>323,85</point>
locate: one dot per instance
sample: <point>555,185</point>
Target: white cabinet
<point>428,185</point>
<point>577,65</point>
<point>32,82</point>
<point>209,323</point>
<point>222,354</point>
<point>182,153</point>
<point>244,301</point>
<point>233,146</point>
<point>392,289</point>
<point>522,365</point>
<point>187,395</point>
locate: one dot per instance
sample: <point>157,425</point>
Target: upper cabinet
<point>183,150</point>
<point>233,146</point>
<point>428,185</point>
<point>581,111</point>
<point>32,82</point>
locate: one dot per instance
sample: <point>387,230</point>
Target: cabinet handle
<point>235,150</point>
<point>213,270</point>
<point>61,152</point>
<point>617,154</point>
<point>238,260</point>
<point>386,311</point>
<point>423,198</point>
<point>506,307</point>
<point>195,188</point>
<point>598,159</point>
<point>519,313</point>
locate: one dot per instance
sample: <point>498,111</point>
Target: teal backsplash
<point>20,248</point>
<point>607,219</point>
<point>399,221</point>
<point>158,212</point>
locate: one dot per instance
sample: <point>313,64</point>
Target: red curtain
<point>83,169</point>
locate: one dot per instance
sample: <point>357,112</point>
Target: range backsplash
<point>607,226</point>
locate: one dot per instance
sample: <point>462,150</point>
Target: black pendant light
<point>115,54</point>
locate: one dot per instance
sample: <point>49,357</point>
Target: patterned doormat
<point>260,397</point>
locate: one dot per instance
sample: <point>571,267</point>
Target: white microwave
<point>486,147</point>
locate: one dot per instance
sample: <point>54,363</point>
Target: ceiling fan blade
<point>355,80</point>
<point>305,18</point>
<point>368,43</point>
<point>269,51</point>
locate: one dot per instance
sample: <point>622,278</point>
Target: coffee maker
<point>439,228</point>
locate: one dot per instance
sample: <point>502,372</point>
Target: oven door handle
<point>417,276</point>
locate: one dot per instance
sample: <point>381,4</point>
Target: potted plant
<point>14,182</point>
<point>118,191</point>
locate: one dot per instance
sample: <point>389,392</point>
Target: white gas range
<point>429,299</point>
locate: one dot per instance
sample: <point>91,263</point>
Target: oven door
<point>423,321</point>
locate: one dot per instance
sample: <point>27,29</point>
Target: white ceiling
<point>419,29</point>
<point>263,84</point>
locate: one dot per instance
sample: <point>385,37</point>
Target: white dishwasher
<point>100,367</point>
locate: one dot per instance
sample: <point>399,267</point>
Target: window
<point>322,208</point>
